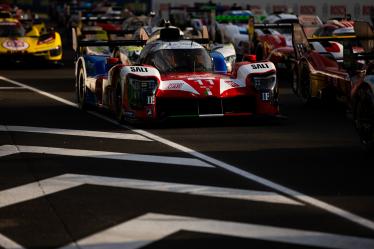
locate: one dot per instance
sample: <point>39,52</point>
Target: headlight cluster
<point>264,83</point>
<point>55,52</point>
<point>141,92</point>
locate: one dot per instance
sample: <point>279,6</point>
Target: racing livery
<point>18,43</point>
<point>174,78</point>
<point>319,76</point>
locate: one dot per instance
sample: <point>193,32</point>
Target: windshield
<point>181,60</point>
<point>11,30</point>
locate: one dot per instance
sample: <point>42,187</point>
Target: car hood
<point>23,44</point>
<point>199,84</point>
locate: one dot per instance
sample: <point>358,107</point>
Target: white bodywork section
<point>321,49</point>
<point>227,84</point>
<point>255,68</point>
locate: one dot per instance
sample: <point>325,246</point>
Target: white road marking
<point>67,181</point>
<point>10,88</point>
<point>152,227</point>
<point>246,174</point>
<point>7,243</point>
<point>14,149</point>
<point>44,93</point>
<point>83,133</point>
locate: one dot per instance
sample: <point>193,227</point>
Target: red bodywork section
<point>203,99</point>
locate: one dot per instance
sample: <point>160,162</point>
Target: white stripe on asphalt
<point>246,174</point>
<point>10,88</point>
<point>14,149</point>
<point>7,243</point>
<point>63,182</point>
<point>152,227</point>
<point>83,133</point>
<point>44,93</point>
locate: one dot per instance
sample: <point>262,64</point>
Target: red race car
<point>174,78</point>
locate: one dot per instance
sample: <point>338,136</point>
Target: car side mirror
<point>112,61</point>
<point>250,57</point>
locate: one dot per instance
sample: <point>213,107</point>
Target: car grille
<point>170,107</point>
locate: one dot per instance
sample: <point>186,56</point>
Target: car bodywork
<point>19,44</point>
<point>320,76</point>
<point>155,89</point>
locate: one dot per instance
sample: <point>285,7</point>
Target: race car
<point>320,77</point>
<point>333,28</point>
<point>173,78</point>
<point>233,28</point>
<point>18,44</point>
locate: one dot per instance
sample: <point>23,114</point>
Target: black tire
<point>305,84</point>
<point>81,89</point>
<point>364,117</point>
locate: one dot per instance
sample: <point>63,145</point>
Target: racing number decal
<point>15,45</point>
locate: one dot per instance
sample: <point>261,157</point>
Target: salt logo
<point>260,66</point>
<point>139,69</point>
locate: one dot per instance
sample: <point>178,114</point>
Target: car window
<point>180,60</point>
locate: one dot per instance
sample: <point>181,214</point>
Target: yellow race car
<point>20,44</point>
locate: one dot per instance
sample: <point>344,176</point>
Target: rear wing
<point>273,26</point>
<point>364,37</point>
<point>79,43</point>
<point>86,19</point>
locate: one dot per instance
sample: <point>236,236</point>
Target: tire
<point>305,84</point>
<point>364,117</point>
<point>81,89</point>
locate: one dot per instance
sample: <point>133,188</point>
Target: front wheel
<point>364,118</point>
<point>81,90</point>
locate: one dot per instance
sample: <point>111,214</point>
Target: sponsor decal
<point>139,69</point>
<point>232,83</point>
<point>175,86</point>
<point>15,45</point>
<point>259,66</point>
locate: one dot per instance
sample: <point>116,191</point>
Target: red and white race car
<point>174,78</point>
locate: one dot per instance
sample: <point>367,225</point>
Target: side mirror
<point>112,61</point>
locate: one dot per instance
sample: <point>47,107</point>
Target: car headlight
<point>264,83</point>
<point>55,52</point>
<point>141,92</point>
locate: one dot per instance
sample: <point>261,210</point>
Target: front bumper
<point>53,55</point>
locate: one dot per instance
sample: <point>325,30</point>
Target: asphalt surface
<point>307,181</point>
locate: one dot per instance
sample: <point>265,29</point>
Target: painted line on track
<point>151,227</point>
<point>15,149</point>
<point>246,174</point>
<point>11,88</point>
<point>8,243</point>
<point>81,133</point>
<point>56,184</point>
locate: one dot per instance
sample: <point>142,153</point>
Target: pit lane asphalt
<point>314,151</point>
